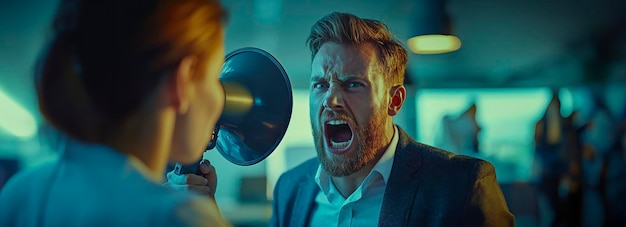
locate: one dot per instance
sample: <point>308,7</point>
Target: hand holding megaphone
<point>203,181</point>
<point>257,109</point>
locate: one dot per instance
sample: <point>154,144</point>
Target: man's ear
<point>398,95</point>
<point>180,84</point>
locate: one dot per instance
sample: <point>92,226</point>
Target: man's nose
<point>333,99</point>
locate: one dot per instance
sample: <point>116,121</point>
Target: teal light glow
<point>15,119</point>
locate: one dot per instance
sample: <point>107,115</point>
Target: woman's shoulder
<point>22,191</point>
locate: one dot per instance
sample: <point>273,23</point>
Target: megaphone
<point>257,108</point>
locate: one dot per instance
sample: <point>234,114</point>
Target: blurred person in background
<point>463,133</point>
<point>460,134</point>
<point>599,139</point>
<point>557,152</point>
<point>132,84</point>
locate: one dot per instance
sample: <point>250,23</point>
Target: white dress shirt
<point>362,207</point>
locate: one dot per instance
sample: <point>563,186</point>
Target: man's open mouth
<point>338,134</point>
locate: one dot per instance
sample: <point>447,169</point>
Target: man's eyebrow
<point>347,77</point>
<point>317,78</point>
<point>342,77</point>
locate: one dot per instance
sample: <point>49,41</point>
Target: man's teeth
<point>339,144</point>
<point>337,122</point>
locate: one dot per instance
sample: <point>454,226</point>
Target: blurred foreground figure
<point>133,84</point>
<point>368,171</point>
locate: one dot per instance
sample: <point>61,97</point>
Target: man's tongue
<point>342,134</point>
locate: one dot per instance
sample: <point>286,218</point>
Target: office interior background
<point>514,54</point>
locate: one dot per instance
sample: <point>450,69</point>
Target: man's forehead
<point>338,71</point>
<point>341,59</point>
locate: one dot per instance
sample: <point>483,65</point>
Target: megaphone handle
<point>185,169</point>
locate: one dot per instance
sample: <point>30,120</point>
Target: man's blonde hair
<point>345,28</point>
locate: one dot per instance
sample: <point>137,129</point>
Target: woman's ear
<point>398,95</point>
<point>180,84</point>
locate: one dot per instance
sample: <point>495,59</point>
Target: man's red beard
<point>370,138</point>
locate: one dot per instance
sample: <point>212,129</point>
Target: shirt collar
<point>383,166</point>
<point>386,161</point>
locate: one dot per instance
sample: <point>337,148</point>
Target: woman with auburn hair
<point>133,84</point>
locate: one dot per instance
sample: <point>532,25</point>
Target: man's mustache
<point>335,114</point>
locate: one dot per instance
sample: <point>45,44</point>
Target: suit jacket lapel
<point>398,201</point>
<point>306,198</point>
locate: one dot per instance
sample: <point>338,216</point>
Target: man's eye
<point>354,84</point>
<point>320,85</point>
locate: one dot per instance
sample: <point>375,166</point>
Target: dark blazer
<point>427,187</point>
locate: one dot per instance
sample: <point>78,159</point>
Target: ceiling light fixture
<point>432,29</point>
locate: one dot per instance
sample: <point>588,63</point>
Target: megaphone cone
<point>257,108</point>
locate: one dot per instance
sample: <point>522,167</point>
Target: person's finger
<point>203,190</point>
<point>205,166</point>
<point>194,179</point>
<point>209,173</point>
